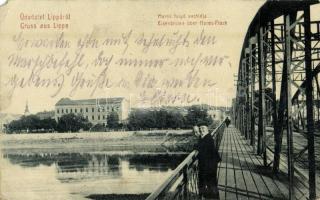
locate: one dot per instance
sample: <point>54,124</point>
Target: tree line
<point>66,123</point>
<point>164,119</point>
<point>139,119</point>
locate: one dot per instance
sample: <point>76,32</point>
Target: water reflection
<point>97,163</point>
<point>94,173</point>
<point>155,163</point>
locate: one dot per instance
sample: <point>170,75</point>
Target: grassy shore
<point>118,196</point>
<point>137,141</point>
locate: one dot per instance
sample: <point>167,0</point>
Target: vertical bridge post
<point>309,99</point>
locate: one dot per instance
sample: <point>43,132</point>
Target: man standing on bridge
<point>208,164</point>
<point>228,121</point>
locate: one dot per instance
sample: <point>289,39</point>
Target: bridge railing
<point>183,183</point>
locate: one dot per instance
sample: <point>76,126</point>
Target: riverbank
<point>118,196</point>
<point>135,141</point>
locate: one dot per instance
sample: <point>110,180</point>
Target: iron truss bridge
<point>271,152</point>
<point>278,94</point>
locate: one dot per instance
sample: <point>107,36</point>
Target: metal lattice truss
<point>278,85</point>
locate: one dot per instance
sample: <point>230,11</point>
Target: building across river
<point>95,110</point>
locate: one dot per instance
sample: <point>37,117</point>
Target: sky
<point>115,19</point>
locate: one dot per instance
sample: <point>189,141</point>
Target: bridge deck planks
<point>241,174</point>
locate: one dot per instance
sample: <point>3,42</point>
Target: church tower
<point>26,110</point>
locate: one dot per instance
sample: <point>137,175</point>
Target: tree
<point>198,116</point>
<point>149,120</point>
<point>49,124</point>
<point>135,119</point>
<point>175,120</point>
<point>113,120</point>
<point>73,123</point>
<point>25,123</point>
<point>98,128</point>
<point>145,119</point>
<point>31,123</point>
<point>161,117</point>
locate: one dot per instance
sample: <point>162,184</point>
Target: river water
<point>78,175</point>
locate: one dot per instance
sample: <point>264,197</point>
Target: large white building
<point>95,110</point>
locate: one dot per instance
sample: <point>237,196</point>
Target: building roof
<point>67,101</point>
<point>45,114</point>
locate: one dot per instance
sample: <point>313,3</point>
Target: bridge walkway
<point>242,175</point>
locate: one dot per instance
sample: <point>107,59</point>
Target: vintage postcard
<point>146,99</point>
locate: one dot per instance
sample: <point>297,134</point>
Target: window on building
<point>104,117</point>
<point>92,117</point>
<point>98,109</point>
<point>92,109</point>
<point>75,110</point>
<point>81,110</point>
<point>67,110</point>
<point>103,109</point>
<point>87,117</point>
<point>70,110</point>
<point>57,110</point>
<point>62,110</point>
<point>98,117</point>
<point>86,109</point>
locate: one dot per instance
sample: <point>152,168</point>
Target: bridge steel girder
<point>261,149</point>
<point>247,103</point>
<point>309,103</point>
<point>252,64</point>
<point>273,78</point>
<point>288,80</point>
<point>285,53</point>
